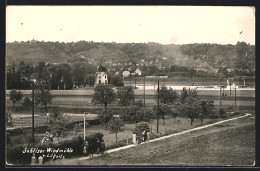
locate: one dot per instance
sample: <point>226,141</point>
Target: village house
<point>138,72</point>
<point>126,73</point>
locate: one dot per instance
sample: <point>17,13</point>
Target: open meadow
<point>81,98</point>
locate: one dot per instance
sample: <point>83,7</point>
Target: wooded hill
<point>201,56</point>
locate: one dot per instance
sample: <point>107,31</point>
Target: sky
<point>138,24</point>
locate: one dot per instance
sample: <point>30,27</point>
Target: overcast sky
<point>162,24</point>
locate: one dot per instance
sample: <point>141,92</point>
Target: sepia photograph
<point>134,86</point>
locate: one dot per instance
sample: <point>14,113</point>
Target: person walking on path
<point>85,150</point>
<point>33,160</point>
<point>102,147</point>
<point>145,135</point>
<point>40,160</point>
<point>98,146</point>
<point>134,139</point>
<point>148,136</point>
<point>91,149</point>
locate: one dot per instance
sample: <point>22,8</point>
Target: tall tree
<point>78,73</point>
<point>126,96</point>
<point>115,126</point>
<point>15,96</point>
<point>106,116</point>
<point>116,81</point>
<point>167,96</point>
<point>9,119</point>
<point>42,72</point>
<point>104,94</point>
<point>58,123</point>
<point>206,107</point>
<point>77,127</point>
<point>190,107</point>
<point>189,104</point>
<point>43,95</point>
<point>90,79</point>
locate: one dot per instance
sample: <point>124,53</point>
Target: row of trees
<point>42,96</point>
<point>187,103</point>
<point>59,76</point>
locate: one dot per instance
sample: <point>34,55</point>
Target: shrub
<point>27,102</point>
<point>15,153</point>
<point>93,138</point>
<point>141,127</point>
<point>134,114</point>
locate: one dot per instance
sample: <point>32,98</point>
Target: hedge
<point>16,156</point>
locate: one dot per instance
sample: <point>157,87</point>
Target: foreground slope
<point>228,144</point>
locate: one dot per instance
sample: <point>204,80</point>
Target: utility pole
<point>158,108</point>
<point>144,92</point>
<point>84,128</point>
<point>135,81</point>
<point>220,94</point>
<point>235,96</point>
<point>230,85</point>
<point>33,112</point>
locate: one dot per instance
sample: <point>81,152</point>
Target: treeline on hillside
<point>60,76</point>
<point>66,75</point>
<point>240,56</point>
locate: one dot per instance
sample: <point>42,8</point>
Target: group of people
<point>47,138</point>
<point>34,160</point>
<point>89,148</point>
<point>145,137</point>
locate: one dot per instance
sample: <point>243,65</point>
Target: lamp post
<point>230,85</point>
<point>158,108</point>
<point>235,96</point>
<point>33,82</point>
<point>220,98</point>
<point>144,92</point>
<point>84,128</point>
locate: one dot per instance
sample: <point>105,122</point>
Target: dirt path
<point>199,146</point>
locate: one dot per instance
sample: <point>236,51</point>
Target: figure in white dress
<point>134,139</point>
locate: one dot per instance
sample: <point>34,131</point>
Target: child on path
<point>40,159</point>
<point>148,136</point>
<point>134,139</point>
<point>33,160</point>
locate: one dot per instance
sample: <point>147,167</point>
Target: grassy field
<point>71,99</point>
<point>228,144</point>
<point>170,125</point>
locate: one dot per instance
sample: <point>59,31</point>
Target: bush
<point>141,127</point>
<point>116,81</point>
<point>27,102</point>
<point>93,139</point>
<point>15,153</point>
<point>134,114</point>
